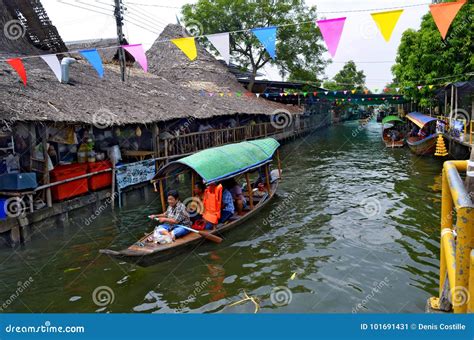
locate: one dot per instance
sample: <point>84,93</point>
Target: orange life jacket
<point>212,203</point>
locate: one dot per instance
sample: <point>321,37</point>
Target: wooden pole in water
<point>279,164</point>
<point>267,176</point>
<point>249,190</point>
<point>113,187</point>
<point>193,183</point>
<point>162,195</point>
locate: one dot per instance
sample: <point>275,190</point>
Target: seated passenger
<point>175,216</point>
<point>237,195</point>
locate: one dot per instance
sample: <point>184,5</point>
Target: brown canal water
<point>355,228</point>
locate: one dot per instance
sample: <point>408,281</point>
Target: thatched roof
<point>170,90</point>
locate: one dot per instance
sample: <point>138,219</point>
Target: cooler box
<point>18,182</point>
<point>3,208</point>
<point>100,181</point>
<point>70,189</point>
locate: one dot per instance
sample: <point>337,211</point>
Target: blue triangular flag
<point>267,36</point>
<point>93,58</point>
<point>266,95</point>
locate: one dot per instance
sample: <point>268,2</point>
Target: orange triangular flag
<point>444,14</point>
<point>17,64</point>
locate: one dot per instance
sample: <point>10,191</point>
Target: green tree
<point>299,49</point>
<point>347,78</point>
<point>423,58</point>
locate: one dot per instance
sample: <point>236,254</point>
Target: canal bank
<point>355,228</point>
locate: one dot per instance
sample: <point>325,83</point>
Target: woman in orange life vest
<point>218,205</point>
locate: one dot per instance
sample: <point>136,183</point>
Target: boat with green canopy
<point>393,134</point>
<point>211,166</point>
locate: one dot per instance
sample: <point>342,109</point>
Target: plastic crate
<point>69,189</point>
<point>99,181</point>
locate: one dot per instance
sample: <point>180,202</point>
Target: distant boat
<point>389,124</point>
<point>423,143</point>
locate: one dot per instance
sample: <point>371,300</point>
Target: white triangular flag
<point>257,94</point>
<point>53,64</point>
<point>221,42</point>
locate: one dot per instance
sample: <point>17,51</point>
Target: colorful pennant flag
<point>397,89</point>
<point>93,57</point>
<point>267,37</point>
<point>18,66</point>
<point>221,42</point>
<point>386,22</point>
<point>53,64</point>
<point>187,46</point>
<point>331,30</point>
<point>353,91</point>
<point>258,95</point>
<point>444,14</point>
<point>139,54</point>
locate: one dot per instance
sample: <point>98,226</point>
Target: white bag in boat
<point>160,238</point>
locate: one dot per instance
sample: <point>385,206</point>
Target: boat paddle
<point>204,234</point>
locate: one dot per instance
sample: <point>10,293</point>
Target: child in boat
<point>175,216</point>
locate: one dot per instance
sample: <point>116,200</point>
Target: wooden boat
<point>212,165</point>
<point>390,123</point>
<point>423,145</point>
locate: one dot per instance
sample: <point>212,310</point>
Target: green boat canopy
<point>390,119</point>
<point>223,162</point>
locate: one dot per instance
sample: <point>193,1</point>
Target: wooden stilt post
<point>249,190</point>
<point>193,183</point>
<point>46,179</point>
<point>162,195</point>
<point>112,197</point>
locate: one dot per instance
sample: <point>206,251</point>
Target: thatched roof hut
<point>170,90</point>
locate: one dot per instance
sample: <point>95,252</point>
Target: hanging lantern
<point>138,132</point>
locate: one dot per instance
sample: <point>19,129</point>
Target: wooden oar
<point>204,234</point>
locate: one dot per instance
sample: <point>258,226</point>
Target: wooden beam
<point>279,164</point>
<point>249,190</point>
<point>46,179</point>
<point>162,196</point>
<point>267,176</point>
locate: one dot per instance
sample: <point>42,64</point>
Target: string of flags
<point>331,31</point>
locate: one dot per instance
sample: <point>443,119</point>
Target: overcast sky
<point>360,39</point>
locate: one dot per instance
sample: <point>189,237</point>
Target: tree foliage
<point>299,49</point>
<point>423,58</point>
<point>349,77</point>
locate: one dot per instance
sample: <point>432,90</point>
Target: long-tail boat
<point>389,125</point>
<point>212,166</point>
<point>424,141</point>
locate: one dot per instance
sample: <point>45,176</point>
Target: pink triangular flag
<point>139,54</point>
<point>331,30</point>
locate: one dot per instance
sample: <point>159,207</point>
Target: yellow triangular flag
<point>386,22</point>
<point>187,45</point>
